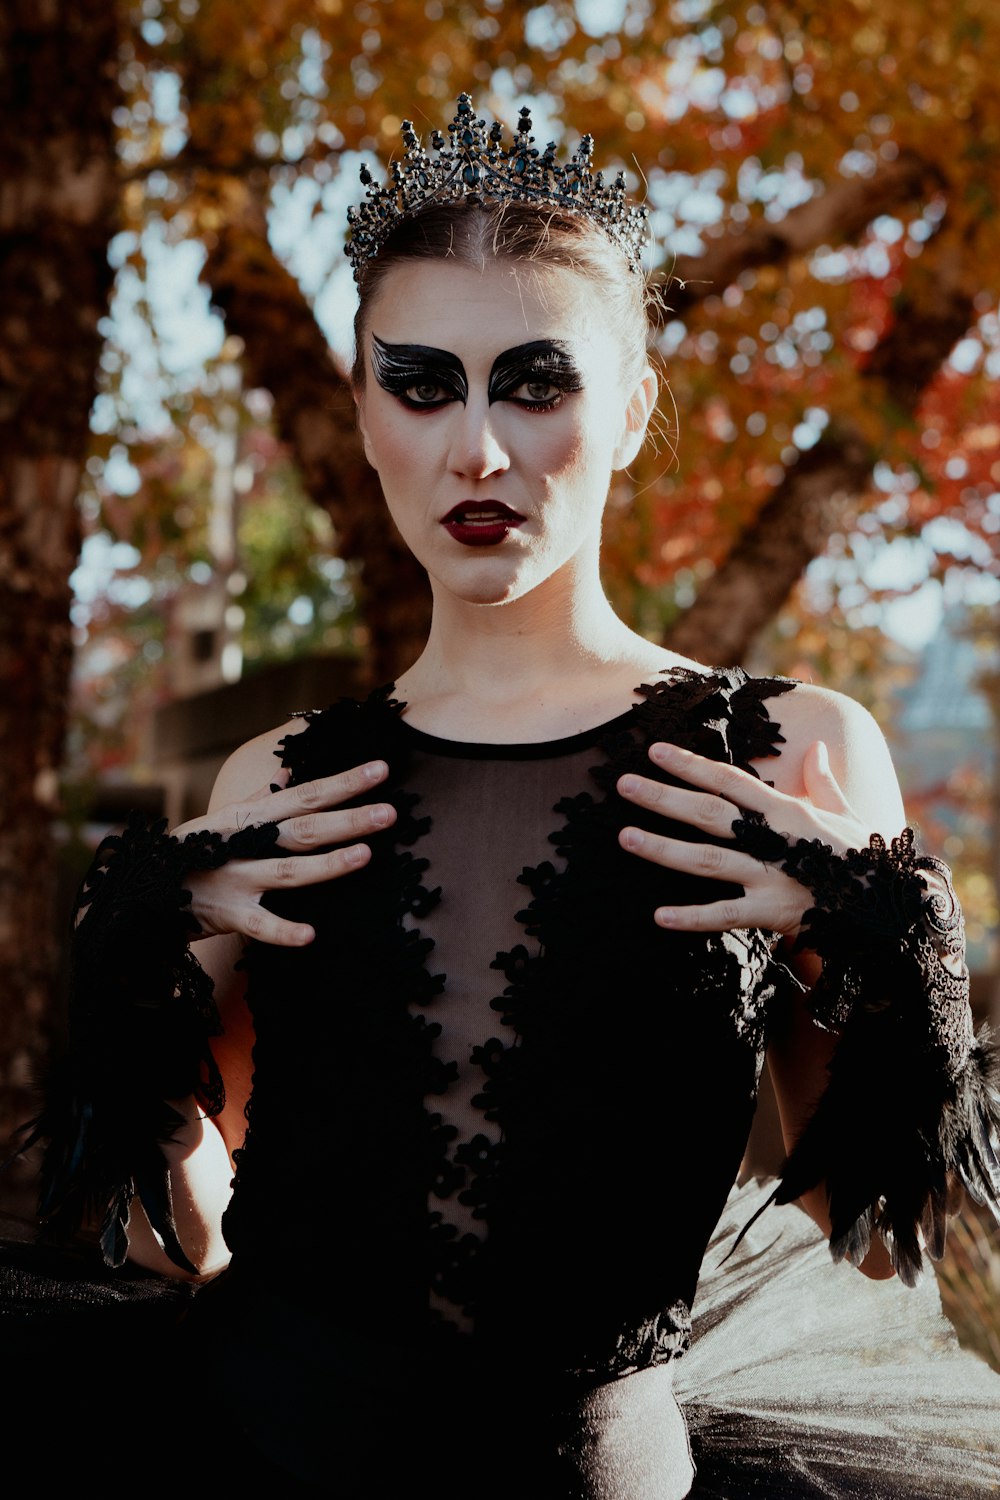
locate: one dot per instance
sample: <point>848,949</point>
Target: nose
<point>477,449</point>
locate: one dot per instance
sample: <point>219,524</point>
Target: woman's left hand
<point>771,899</point>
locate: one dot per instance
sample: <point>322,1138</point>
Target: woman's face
<point>494,412</point>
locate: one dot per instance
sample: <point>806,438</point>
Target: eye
<point>427,393</point>
<point>537,393</point>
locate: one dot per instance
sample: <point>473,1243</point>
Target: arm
<point>908,1095</point>
<point>200,1155</point>
<point>125,1113</point>
<point>856,764</point>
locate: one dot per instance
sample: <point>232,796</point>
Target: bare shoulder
<point>810,713</point>
<point>859,755</point>
<point>252,766</point>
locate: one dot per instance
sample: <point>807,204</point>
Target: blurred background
<point>191,545</point>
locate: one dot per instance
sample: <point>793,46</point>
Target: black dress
<point>487,1155</point>
<point>506,1129</point>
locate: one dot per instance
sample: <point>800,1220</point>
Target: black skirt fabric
<point>89,1358</point>
<point>803,1379</point>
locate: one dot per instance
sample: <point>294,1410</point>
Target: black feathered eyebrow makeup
<point>399,367</point>
<point>546,360</point>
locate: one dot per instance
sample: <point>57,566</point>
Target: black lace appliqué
<point>914,1094</point>
<point>381,966</point>
<point>582,1079</point>
<point>543,1007</point>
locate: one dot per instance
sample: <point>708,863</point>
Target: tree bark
<point>810,502</point>
<point>286,354</point>
<point>746,592</point>
<point>58,195</point>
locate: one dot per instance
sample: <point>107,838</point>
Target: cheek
<point>559,456</point>
<point>394,447</point>
<point>557,451</point>
<point>395,451</point>
<point>579,454</point>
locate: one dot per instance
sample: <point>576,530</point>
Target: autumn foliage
<point>822,180</point>
<point>823,183</point>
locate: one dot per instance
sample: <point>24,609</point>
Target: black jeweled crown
<point>478,166</point>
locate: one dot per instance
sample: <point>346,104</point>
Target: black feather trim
<point>885,1137</point>
<point>141,1014</point>
<point>914,1096</point>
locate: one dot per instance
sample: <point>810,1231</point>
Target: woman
<point>514,936</point>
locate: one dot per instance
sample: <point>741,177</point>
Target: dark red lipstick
<point>480,523</point>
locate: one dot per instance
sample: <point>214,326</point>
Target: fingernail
<point>356,855</point>
<point>628,784</point>
<point>634,838</point>
<point>376,770</point>
<point>380,815</point>
<point>660,752</point>
<point>665,916</point>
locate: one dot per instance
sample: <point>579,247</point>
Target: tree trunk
<point>792,528</point>
<point>287,355</point>
<point>58,194</point>
<point>810,502</point>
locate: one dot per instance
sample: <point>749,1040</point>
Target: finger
<point>754,910</point>
<point>264,927</point>
<point>305,869</point>
<point>822,787</point>
<point>718,916</point>
<point>312,796</point>
<point>739,787</point>
<point>704,810</point>
<point>314,830</point>
<point>282,776</point>
<point>708,860</point>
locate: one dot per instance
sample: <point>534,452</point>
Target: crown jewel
<point>476,164</point>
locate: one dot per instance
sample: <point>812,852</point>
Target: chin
<point>487,595</point>
<point>493,585</point>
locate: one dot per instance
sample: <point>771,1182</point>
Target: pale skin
<point>523,646</point>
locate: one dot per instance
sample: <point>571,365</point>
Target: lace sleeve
<point>914,1092</point>
<point>141,1014</point>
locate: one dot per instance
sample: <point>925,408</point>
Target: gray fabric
<point>805,1378</point>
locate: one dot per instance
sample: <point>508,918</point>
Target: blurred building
<point>944,740</point>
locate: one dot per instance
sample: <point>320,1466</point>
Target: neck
<point>564,631</point>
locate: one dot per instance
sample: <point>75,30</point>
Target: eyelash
<point>547,404</point>
<point>403,395</point>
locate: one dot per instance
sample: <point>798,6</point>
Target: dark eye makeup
<point>425,379</point>
<point>418,374</point>
<point>543,363</point>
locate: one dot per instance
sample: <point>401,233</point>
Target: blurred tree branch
<point>811,501</point>
<point>837,214</point>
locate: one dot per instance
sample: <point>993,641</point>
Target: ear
<point>641,405</point>
<point>359,408</point>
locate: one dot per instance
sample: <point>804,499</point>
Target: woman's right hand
<point>228,899</point>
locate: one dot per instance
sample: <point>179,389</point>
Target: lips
<point>481,523</point>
